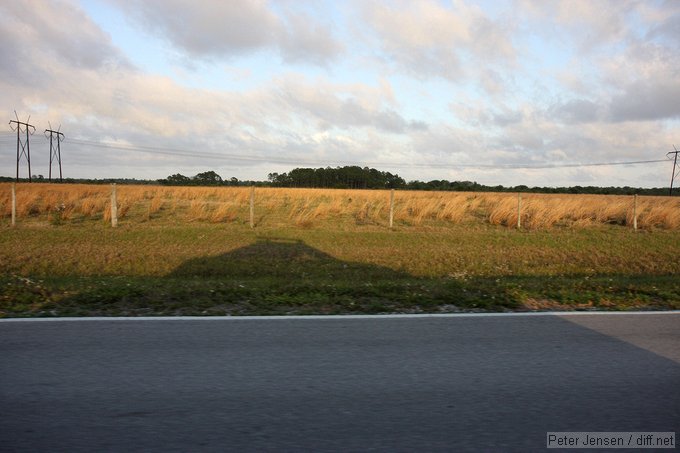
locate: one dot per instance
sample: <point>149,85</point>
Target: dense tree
<point>208,178</point>
<point>176,180</point>
<point>349,177</point>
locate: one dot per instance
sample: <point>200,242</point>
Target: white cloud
<point>575,111</point>
<point>586,23</point>
<point>304,40</point>
<point>343,106</point>
<point>217,28</point>
<point>613,95</point>
<point>427,39</point>
<point>647,100</point>
<point>206,27</point>
<point>34,33</point>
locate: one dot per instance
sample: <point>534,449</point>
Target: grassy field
<point>191,251</point>
<point>310,208</point>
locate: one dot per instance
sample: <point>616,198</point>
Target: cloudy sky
<point>498,92</point>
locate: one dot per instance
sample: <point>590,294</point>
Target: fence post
<point>14,204</point>
<point>635,202</point>
<point>114,207</point>
<point>391,207</point>
<point>252,206</point>
<point>519,211</point>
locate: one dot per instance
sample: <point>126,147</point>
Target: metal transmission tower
<point>55,151</point>
<point>23,147</point>
<point>675,165</point>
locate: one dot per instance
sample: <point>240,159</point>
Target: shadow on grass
<point>282,276</point>
<point>275,258</point>
<point>270,276</point>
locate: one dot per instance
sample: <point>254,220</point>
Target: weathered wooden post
<point>252,206</point>
<point>391,208</point>
<point>114,207</point>
<point>14,204</point>
<point>635,202</point>
<point>519,211</point>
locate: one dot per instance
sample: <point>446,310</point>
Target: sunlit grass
<point>310,208</point>
<point>191,251</point>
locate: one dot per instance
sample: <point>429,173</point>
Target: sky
<point>501,92</point>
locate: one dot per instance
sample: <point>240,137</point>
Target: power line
<point>283,160</point>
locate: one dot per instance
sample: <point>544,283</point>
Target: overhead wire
<point>302,161</point>
<point>7,138</point>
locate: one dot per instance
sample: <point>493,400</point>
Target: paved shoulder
<point>655,332</point>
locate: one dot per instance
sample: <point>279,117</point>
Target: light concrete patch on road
<point>642,331</point>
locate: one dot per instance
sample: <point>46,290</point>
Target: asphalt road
<point>471,383</point>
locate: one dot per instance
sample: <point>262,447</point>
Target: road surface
<point>460,383</point>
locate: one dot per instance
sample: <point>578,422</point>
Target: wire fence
<point>130,205</point>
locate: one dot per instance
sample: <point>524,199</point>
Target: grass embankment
<point>161,267</point>
<point>190,251</point>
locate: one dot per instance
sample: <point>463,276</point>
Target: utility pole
<point>23,147</point>
<point>675,165</point>
<point>55,152</point>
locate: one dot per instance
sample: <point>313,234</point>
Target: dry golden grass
<point>308,208</point>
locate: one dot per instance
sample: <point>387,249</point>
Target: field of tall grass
<point>311,208</point>
<point>191,250</point>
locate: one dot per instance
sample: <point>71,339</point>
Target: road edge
<point>339,317</point>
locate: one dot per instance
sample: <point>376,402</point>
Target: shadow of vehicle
<point>284,276</point>
<point>273,276</point>
<point>279,258</point>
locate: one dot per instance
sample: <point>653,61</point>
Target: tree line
<point>355,177</point>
